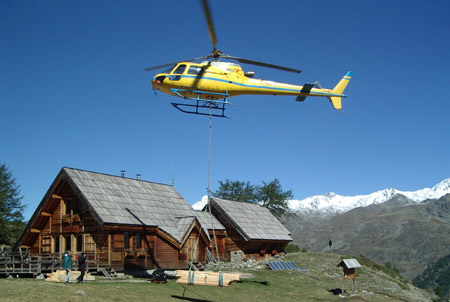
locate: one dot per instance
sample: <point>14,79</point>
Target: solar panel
<point>281,265</point>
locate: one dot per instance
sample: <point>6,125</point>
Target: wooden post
<point>39,264</point>
<point>109,249</point>
<point>61,205</point>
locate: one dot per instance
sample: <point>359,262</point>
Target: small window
<point>195,70</point>
<point>138,241</point>
<point>56,246</point>
<point>68,243</point>
<point>180,69</point>
<point>68,207</point>
<point>77,208</point>
<point>79,243</point>
<point>126,240</point>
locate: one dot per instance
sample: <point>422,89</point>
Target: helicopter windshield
<point>180,69</point>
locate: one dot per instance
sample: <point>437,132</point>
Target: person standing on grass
<point>68,265</point>
<point>82,266</point>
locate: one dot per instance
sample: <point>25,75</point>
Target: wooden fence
<point>25,263</point>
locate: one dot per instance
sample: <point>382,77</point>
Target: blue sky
<point>73,92</point>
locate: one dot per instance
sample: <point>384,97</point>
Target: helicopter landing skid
<point>202,105</point>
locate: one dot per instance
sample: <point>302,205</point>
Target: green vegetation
<point>11,218</point>
<point>436,277</point>
<point>292,248</point>
<point>269,195</point>
<point>317,284</point>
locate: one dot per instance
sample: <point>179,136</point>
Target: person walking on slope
<point>68,265</point>
<point>82,266</point>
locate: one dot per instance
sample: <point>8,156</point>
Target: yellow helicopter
<point>210,83</point>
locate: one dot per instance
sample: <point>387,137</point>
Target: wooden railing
<point>25,263</point>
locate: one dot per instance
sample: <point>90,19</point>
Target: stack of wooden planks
<point>206,278</point>
<point>60,276</point>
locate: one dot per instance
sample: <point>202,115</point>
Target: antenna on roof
<point>173,176</point>
<point>122,173</point>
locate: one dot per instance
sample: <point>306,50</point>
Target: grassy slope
<point>265,285</point>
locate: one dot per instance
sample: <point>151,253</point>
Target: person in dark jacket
<point>81,266</point>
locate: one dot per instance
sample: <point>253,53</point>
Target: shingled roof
<point>119,200</point>
<point>251,220</point>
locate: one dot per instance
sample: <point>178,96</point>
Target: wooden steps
<point>109,272</point>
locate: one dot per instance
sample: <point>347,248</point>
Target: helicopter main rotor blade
<point>209,21</point>
<point>174,63</point>
<point>252,62</point>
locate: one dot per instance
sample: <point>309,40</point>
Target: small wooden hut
<point>348,267</point>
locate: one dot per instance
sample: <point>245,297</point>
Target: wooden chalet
<point>120,221</point>
<point>250,228</point>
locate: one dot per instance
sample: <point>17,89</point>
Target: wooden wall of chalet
<point>221,239</point>
<point>233,241</point>
<point>64,224</point>
<point>187,251</point>
<point>166,255</point>
<point>138,252</point>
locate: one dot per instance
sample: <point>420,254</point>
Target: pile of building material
<point>206,278</point>
<point>60,276</point>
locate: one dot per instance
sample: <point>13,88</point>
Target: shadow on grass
<point>336,291</point>
<point>189,299</point>
<point>251,281</point>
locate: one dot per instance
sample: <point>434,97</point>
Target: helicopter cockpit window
<point>180,69</point>
<point>195,70</point>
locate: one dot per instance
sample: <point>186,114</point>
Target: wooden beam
<point>46,214</point>
<point>40,243</point>
<point>35,230</point>
<point>56,196</point>
<point>25,246</point>
<point>109,249</point>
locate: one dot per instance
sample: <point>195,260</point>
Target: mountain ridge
<point>410,235</point>
<point>332,203</point>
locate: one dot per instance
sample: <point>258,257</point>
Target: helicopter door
<point>177,72</point>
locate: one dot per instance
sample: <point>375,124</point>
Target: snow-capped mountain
<point>333,203</point>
